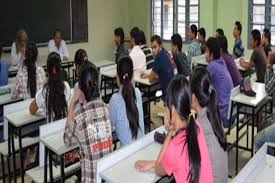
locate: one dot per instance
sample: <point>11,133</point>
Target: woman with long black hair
<point>184,152</point>
<point>30,77</point>
<point>125,107</point>
<point>55,95</point>
<point>204,103</point>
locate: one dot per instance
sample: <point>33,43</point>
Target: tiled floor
<point>158,107</point>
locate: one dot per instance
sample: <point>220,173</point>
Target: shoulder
<point>51,42</point>
<point>63,43</point>
<point>116,99</point>
<point>13,45</point>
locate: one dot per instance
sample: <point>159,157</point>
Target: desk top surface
<point>102,63</point>
<point>125,170</point>
<point>56,143</point>
<point>23,117</point>
<point>259,88</point>
<point>6,99</point>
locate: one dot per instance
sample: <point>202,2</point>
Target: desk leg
<point>21,155</point>
<point>13,155</point>
<point>51,165</point>
<point>9,152</point>
<point>3,168</point>
<point>252,134</point>
<point>46,165</point>
<point>62,169</point>
<point>237,142</point>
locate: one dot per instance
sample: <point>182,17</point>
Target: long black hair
<point>54,90</point>
<point>179,96</point>
<point>202,88</point>
<point>29,62</point>
<point>88,81</point>
<point>125,74</point>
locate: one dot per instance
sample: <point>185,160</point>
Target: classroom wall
<point>103,17</point>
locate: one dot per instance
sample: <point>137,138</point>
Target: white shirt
<point>62,50</point>
<point>16,58</point>
<point>139,59</point>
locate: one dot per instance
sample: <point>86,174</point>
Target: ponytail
<point>125,74</point>
<point>29,62</point>
<point>193,151</point>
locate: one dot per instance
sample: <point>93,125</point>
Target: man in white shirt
<point>137,55</point>
<point>59,46</point>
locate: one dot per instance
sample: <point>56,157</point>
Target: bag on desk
<point>246,87</point>
<point>159,137</point>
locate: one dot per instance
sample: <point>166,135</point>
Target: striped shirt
<point>119,119</point>
<point>149,56</point>
<point>91,129</point>
<point>194,50</point>
<point>238,50</point>
<point>270,79</point>
<point>21,85</point>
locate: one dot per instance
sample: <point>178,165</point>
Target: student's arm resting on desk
<point>246,65</point>
<point>70,137</point>
<point>152,76</point>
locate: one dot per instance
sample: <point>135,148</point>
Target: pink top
<point>175,160</point>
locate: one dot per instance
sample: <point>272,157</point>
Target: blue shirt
<point>166,68</point>
<point>4,74</point>
<point>119,119</point>
<point>222,83</point>
<point>238,50</point>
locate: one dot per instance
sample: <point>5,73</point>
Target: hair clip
<point>125,76</point>
<point>210,89</point>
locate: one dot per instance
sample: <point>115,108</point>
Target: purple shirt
<point>222,83</point>
<point>232,68</point>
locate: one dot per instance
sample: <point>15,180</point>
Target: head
<point>204,96</point>
<point>201,35</point>
<point>212,51</point>
<point>156,44</point>
<point>237,31</point>
<point>119,36</point>
<point>124,76</point>
<point>54,89</point>
<point>176,43</point>
<point>80,58</point>
<point>179,104</point>
<point>29,62</point>
<point>255,39</point>
<point>57,35</point>
<point>266,37</point>
<point>21,40</point>
<point>134,36</point>
<point>219,32</point>
<point>193,32</point>
<point>224,44</point>
<point>142,37</point>
<point>88,81</point>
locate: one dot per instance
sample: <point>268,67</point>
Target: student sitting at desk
<point>89,125</point>
<point>220,77</point>
<point>268,132</point>
<point>119,41</point>
<point>219,32</point>
<point>266,41</point>
<point>194,47</point>
<point>18,48</point>
<point>201,39</point>
<point>30,78</point>
<point>137,55</point>
<point>258,58</point>
<point>125,107</point>
<point>204,103</point>
<point>55,95</point>
<point>4,70</point>
<point>164,68</point>
<point>184,152</point>
<point>230,62</point>
<point>179,57</point>
<point>147,51</point>
<point>238,49</point>
<point>59,46</point>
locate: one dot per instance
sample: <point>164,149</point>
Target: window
<point>262,15</point>
<point>174,16</point>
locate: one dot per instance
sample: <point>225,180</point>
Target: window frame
<point>175,17</point>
